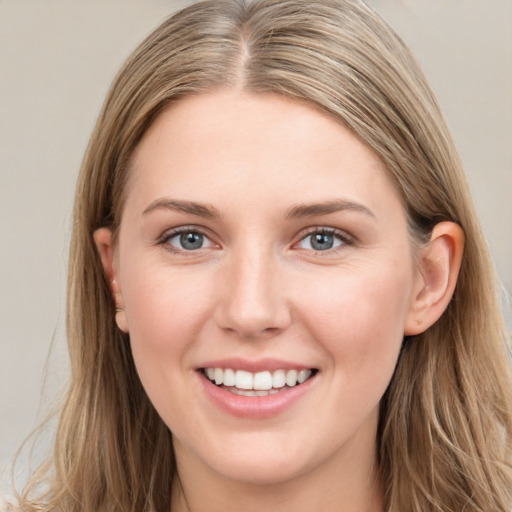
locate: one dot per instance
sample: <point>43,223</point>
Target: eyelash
<point>343,237</point>
<point>169,235</point>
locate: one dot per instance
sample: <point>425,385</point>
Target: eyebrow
<point>324,208</point>
<point>298,211</point>
<point>201,210</point>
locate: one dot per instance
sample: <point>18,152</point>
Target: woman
<point>279,294</point>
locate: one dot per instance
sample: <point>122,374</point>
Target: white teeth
<point>229,377</point>
<point>243,379</point>
<point>256,384</point>
<point>252,392</point>
<point>262,381</point>
<point>291,377</point>
<point>278,379</point>
<point>303,375</point>
<point>243,392</point>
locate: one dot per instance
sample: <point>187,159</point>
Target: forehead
<point>266,147</point>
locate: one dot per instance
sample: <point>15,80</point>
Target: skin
<point>256,289</point>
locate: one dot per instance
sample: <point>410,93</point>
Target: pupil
<point>191,241</point>
<point>322,241</point>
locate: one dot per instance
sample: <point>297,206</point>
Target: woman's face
<point>262,244</point>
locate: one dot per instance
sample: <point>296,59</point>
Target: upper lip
<point>254,366</point>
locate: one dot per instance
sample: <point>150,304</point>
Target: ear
<point>439,265</point>
<point>103,240</point>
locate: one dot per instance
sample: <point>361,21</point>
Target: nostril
<point>252,323</point>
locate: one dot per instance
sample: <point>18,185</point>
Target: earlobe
<point>439,265</point>
<point>103,240</point>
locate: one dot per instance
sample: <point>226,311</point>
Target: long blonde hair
<point>446,422</point>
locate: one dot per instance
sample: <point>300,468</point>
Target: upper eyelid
<point>169,233</point>
<point>326,229</point>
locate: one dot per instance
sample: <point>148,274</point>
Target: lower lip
<point>255,406</point>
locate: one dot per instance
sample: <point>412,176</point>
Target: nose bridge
<point>254,299</point>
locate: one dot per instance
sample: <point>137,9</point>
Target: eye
<point>187,240</point>
<point>323,240</point>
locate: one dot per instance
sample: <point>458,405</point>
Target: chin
<point>262,472</point>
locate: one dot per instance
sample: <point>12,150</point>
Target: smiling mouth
<point>241,382</point>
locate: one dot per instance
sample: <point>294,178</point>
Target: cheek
<point>164,319</point>
<point>358,317</point>
<point>165,313</point>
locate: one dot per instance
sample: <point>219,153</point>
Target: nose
<point>252,300</point>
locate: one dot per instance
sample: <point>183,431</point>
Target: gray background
<point>57,59</point>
